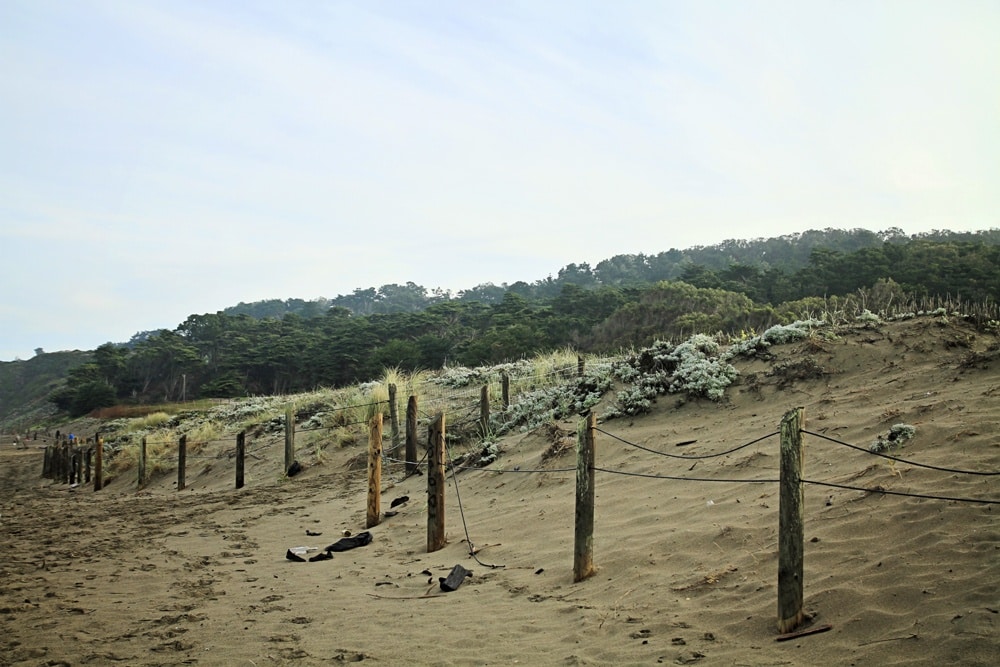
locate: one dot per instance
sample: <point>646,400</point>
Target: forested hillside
<point>276,347</point>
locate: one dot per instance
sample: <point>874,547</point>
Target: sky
<point>163,159</point>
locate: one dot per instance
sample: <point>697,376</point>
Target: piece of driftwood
<point>454,578</point>
<point>802,633</point>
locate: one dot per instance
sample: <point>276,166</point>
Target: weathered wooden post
<point>182,453</point>
<point>484,411</point>
<point>67,454</point>
<point>374,471</point>
<point>505,390</point>
<point>87,454</point>
<point>289,439</point>
<point>790,524</point>
<point>393,418</point>
<point>47,463</point>
<point>579,365</point>
<point>435,484</point>
<point>142,463</point>
<point>241,457</point>
<point>411,434</point>
<point>583,546</point>
<point>99,464</point>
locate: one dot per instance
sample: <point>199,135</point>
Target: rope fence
<point>71,463</point>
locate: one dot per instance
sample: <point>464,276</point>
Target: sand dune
<point>687,571</point>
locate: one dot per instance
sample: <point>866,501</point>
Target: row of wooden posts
<point>67,463</point>
<point>790,519</point>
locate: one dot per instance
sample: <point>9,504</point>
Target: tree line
<point>628,300</point>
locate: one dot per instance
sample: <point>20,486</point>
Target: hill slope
<point>686,569</point>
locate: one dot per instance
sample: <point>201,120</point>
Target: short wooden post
<point>505,390</point>
<point>182,453</point>
<point>435,484</point>
<point>583,546</point>
<point>99,464</point>
<point>67,460</point>
<point>241,457</point>
<point>411,434</point>
<point>87,454</point>
<point>579,366</point>
<point>790,524</point>
<point>47,463</point>
<point>289,439</point>
<point>484,411</point>
<point>374,471</point>
<point>393,418</point>
<point>142,463</point>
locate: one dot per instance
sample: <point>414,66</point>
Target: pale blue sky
<point>159,159</point>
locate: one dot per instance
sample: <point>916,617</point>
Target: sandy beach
<point>686,570</point>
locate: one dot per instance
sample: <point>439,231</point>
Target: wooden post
<point>435,484</point>
<point>484,411</point>
<point>87,454</point>
<point>98,464</point>
<point>289,439</point>
<point>374,471</point>
<point>182,453</point>
<point>67,459</point>
<point>393,418</point>
<point>583,545</point>
<point>241,457</point>
<point>790,525</point>
<point>579,366</point>
<point>142,464</point>
<point>47,462</point>
<point>505,390</point>
<point>411,434</point>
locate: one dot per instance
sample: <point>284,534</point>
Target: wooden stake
<point>182,449</point>
<point>411,434</point>
<point>505,391</point>
<point>790,524</point>
<point>142,463</point>
<point>374,471</point>
<point>241,457</point>
<point>583,546</point>
<point>393,418</point>
<point>435,484</point>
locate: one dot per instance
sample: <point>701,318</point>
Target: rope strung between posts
<point>905,494</point>
<point>461,511</point>
<point>692,457</point>
<point>895,458</point>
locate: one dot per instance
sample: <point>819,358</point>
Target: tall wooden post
<point>374,471</point>
<point>393,418</point>
<point>142,463</point>
<point>435,484</point>
<point>87,454</point>
<point>790,524</point>
<point>411,434</point>
<point>182,452</point>
<point>505,391</point>
<point>484,411</point>
<point>289,439</point>
<point>583,545</point>
<point>72,465</point>
<point>99,464</point>
<point>47,463</point>
<point>241,457</point>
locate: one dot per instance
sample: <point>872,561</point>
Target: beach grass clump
<point>897,435</point>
